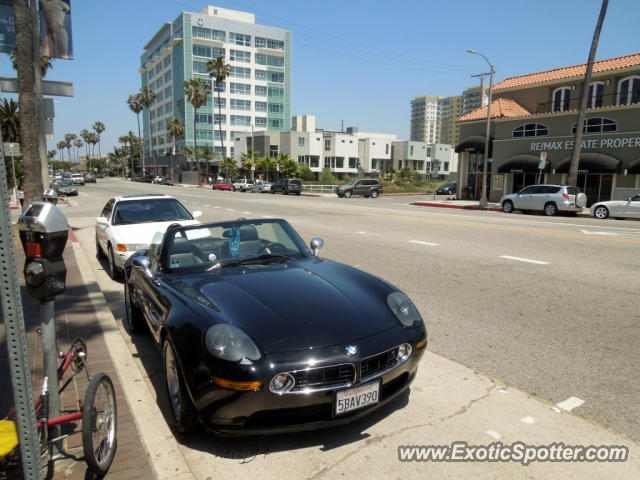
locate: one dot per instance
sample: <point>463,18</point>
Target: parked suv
<point>549,199</point>
<point>287,186</point>
<point>366,187</point>
<point>77,179</point>
<point>244,185</point>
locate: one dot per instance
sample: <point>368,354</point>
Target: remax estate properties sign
<point>624,142</point>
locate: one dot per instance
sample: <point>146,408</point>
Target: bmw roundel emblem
<point>351,350</point>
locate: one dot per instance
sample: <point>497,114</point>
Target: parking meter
<point>43,233</point>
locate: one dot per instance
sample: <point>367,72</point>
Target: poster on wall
<point>497,182</point>
<point>55,29</point>
<point>7,27</point>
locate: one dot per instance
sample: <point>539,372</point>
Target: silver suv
<point>549,199</point>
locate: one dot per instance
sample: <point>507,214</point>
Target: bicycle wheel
<point>79,350</point>
<point>99,440</point>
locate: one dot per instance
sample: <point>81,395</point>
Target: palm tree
<point>45,63</point>
<point>51,154</point>
<point>69,138</point>
<point>10,121</point>
<point>146,97</point>
<point>175,128</point>
<point>289,168</point>
<point>93,139</point>
<point>61,146</point>
<point>124,139</point>
<point>136,107</point>
<point>77,143</point>
<point>86,134</point>
<point>229,167</point>
<point>219,71</point>
<point>248,159</point>
<point>266,164</point>
<point>99,128</point>
<point>197,92</point>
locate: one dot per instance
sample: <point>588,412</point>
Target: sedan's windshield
<point>151,210</point>
<point>65,184</point>
<point>231,243</point>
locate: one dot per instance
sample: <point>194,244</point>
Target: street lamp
<point>483,198</point>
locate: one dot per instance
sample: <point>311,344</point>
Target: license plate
<point>356,398</point>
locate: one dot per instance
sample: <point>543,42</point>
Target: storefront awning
<point>475,143</point>
<point>592,163</point>
<point>634,167</point>
<point>520,163</point>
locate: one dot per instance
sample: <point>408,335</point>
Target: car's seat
<point>249,240</point>
<point>183,254</point>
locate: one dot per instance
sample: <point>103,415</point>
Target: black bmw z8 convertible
<point>260,335</point>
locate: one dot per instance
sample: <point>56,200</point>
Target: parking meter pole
<point>16,339</point>
<point>50,358</point>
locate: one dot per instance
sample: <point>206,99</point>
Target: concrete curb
<point>165,455</point>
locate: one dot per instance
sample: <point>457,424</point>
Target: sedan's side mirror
<point>316,244</point>
<point>143,263</point>
<point>102,221</point>
<point>197,214</point>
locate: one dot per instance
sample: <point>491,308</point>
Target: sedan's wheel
<point>273,191</point>
<point>550,209</point>
<point>286,192</point>
<point>601,212</point>
<point>113,270</point>
<point>182,411</point>
<point>449,192</point>
<point>99,252</point>
<point>133,315</point>
<point>347,194</point>
<point>507,206</point>
<point>233,189</point>
<point>374,193</point>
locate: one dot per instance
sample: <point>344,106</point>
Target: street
<point>548,306</point>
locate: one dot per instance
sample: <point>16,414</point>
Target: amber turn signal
<point>231,385</point>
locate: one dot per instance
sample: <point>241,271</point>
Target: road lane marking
<point>267,216</point>
<point>246,213</point>
<point>570,403</point>
<point>420,242</point>
<point>229,209</point>
<point>526,260</point>
<point>189,195</point>
<point>217,207</point>
<point>528,420</point>
<point>362,233</point>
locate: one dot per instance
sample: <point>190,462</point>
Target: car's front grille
<point>377,364</point>
<point>321,378</point>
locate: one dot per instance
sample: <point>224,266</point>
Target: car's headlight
<point>403,309</point>
<point>230,343</point>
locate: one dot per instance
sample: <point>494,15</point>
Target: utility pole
<point>481,76</point>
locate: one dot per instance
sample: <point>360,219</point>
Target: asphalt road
<point>548,305</point>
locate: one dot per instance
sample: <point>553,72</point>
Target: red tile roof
<point>500,108</point>
<point>569,72</point>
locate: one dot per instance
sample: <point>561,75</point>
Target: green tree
<point>391,171</point>
<point>248,159</point>
<point>219,71</point>
<point>119,158</point>
<point>146,98</point>
<point>99,127</point>
<point>229,167</point>
<point>61,146</point>
<point>69,138</point>
<point>305,173</point>
<point>77,143</point>
<point>136,107</point>
<point>288,168</point>
<point>86,135</point>
<point>327,178</point>
<point>10,121</point>
<point>197,93</point>
<point>175,128</point>
<point>266,164</point>
<point>93,139</point>
<point>45,63</point>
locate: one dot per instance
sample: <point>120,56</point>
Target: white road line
<point>570,403</point>
<point>189,195</point>
<point>420,242</point>
<point>267,216</point>
<point>246,213</point>
<point>229,209</point>
<point>362,233</point>
<point>526,260</point>
<point>205,205</point>
<point>217,207</point>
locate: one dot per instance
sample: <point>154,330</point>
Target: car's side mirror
<point>102,221</point>
<point>197,214</point>
<point>316,244</point>
<point>143,263</point>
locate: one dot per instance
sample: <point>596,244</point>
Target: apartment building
<point>425,126</point>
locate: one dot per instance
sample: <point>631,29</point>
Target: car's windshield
<point>65,184</point>
<point>150,210</point>
<point>222,244</point>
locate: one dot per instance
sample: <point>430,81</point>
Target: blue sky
<point>355,61</point>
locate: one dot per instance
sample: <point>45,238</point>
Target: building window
<point>530,130</point>
<point>219,103</point>
<point>629,91</point>
<point>261,74</point>
<point>276,107</point>
<point>240,39</point>
<point>242,88</point>
<point>275,123</point>
<point>386,149</point>
<point>219,87</point>
<point>240,72</point>
<point>216,135</point>
<point>240,120</point>
<point>220,119</point>
<point>339,162</point>
<point>411,150</point>
<point>261,106</point>
<point>262,91</point>
<point>327,144</point>
<point>199,67</point>
<point>597,125</point>
<point>596,91</point>
<point>327,162</point>
<point>261,122</point>
<point>240,104</point>
<point>273,150</point>
<point>301,141</point>
<point>239,56</point>
<point>276,77</point>
<point>561,98</point>
<point>200,32</point>
<point>204,134</point>
<point>353,162</point>
<point>446,166</point>
<point>270,60</point>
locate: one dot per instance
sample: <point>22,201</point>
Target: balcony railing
<point>609,100</point>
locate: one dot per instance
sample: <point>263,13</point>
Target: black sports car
<point>260,335</point>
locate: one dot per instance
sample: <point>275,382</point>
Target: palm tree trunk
<point>195,145</point>
<point>141,146</point>
<point>575,153</point>
<point>220,125</point>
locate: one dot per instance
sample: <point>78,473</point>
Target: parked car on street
<point>549,199</point>
<point>446,189</point>
<point>89,178</point>
<point>66,188</point>
<point>77,179</point>
<point>127,223</point>
<point>261,187</point>
<point>244,185</point>
<point>367,187</point>
<point>147,178</point>
<point>618,209</point>
<point>221,185</point>
<point>287,186</point>
<point>259,335</point>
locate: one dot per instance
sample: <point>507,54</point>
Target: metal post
<point>16,339</point>
<point>50,357</point>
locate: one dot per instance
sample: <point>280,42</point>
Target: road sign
<point>543,160</point>
<point>11,149</point>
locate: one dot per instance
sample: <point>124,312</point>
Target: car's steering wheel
<point>272,247</point>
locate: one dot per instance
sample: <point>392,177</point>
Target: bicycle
<point>98,413</point>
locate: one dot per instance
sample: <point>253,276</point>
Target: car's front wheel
<point>601,212</point>
<point>550,209</point>
<point>347,194</point>
<point>507,206</point>
<point>183,413</point>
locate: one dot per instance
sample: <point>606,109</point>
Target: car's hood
<point>293,306</point>
<point>142,233</point>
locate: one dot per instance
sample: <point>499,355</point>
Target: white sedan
<point>617,208</point>
<point>129,222</point>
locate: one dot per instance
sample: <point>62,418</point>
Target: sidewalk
<point>76,317</point>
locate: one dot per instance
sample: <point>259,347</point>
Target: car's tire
<point>340,195</point>
<point>374,193</point>
<point>183,418</point>
<point>449,192</point>
<point>113,271</point>
<point>132,313</point>
<point>507,206</point>
<point>347,194</point>
<point>273,192</point>
<point>233,189</point>
<point>601,212</point>
<point>285,192</point>
<point>99,253</point>
<point>298,193</point>
<point>550,209</point>
<point>99,424</point>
